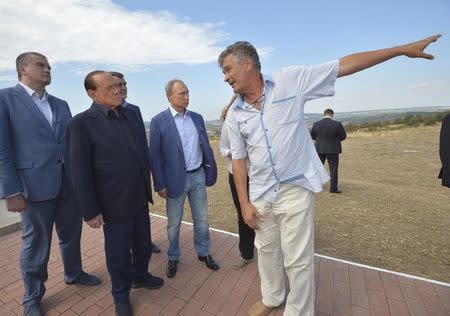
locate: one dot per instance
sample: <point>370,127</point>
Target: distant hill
<point>356,117</point>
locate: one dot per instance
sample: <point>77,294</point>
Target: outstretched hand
<point>416,49</point>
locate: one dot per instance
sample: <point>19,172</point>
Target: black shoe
<point>149,282</point>
<point>123,309</point>
<point>336,192</point>
<point>33,310</point>
<point>210,263</point>
<point>86,280</point>
<point>171,269</point>
<point>155,248</point>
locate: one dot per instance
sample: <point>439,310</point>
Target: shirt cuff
<point>18,193</point>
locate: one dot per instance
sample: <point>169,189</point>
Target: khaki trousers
<point>285,243</point>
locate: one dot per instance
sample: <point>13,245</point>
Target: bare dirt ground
<point>393,212</point>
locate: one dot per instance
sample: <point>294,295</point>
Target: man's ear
<point>22,70</point>
<point>248,63</point>
<point>91,94</point>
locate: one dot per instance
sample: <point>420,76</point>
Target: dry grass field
<point>393,212</point>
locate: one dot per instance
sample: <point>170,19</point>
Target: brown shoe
<point>259,309</point>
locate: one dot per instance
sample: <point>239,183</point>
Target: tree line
<point>400,122</point>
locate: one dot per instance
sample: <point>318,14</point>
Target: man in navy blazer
<point>120,80</point>
<point>111,179</point>
<point>328,135</point>
<point>34,177</point>
<point>183,164</point>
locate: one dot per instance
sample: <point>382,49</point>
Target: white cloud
<point>99,32</point>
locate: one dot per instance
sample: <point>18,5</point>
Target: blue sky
<point>154,41</point>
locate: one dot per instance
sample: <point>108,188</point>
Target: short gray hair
<point>170,84</point>
<point>242,50</point>
<point>24,60</point>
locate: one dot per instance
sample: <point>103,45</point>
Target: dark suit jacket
<point>137,111</point>
<point>110,172</point>
<point>444,151</point>
<point>328,135</point>
<point>31,151</point>
<point>143,133</point>
<point>167,157</point>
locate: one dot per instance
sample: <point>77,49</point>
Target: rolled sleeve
<point>314,81</point>
<point>238,145</point>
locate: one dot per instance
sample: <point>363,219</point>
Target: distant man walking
<point>328,135</point>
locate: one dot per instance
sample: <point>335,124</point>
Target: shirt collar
<point>175,113</point>
<point>106,110</point>
<point>268,80</point>
<point>31,91</point>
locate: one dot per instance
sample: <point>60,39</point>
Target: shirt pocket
<point>248,125</point>
<point>286,110</point>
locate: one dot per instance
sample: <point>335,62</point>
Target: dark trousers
<point>128,252</point>
<point>37,229</point>
<point>246,234</point>
<point>333,164</point>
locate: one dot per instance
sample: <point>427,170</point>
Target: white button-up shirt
<point>41,103</point>
<point>276,140</point>
<point>189,139</point>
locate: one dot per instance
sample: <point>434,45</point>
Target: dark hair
<point>24,59</point>
<point>242,50</point>
<point>116,74</point>
<point>89,82</point>
<point>329,112</point>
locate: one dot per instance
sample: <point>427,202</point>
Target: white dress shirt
<point>41,103</point>
<point>275,139</point>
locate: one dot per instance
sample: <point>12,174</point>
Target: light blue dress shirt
<point>189,139</point>
<point>41,103</point>
<point>276,140</point>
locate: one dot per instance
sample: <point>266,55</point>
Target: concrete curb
<point>10,228</point>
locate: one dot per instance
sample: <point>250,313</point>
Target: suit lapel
<point>56,120</point>
<point>23,97</point>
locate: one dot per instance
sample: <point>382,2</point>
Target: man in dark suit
<point>444,151</point>
<point>111,179</point>
<point>183,164</point>
<point>34,178</point>
<point>328,135</point>
<point>120,80</point>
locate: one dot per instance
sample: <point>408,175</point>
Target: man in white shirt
<point>267,126</point>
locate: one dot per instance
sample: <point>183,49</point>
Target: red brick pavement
<point>342,288</point>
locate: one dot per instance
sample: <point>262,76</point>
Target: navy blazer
<point>328,135</point>
<point>31,151</point>
<point>110,173</point>
<point>444,151</point>
<point>166,154</point>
